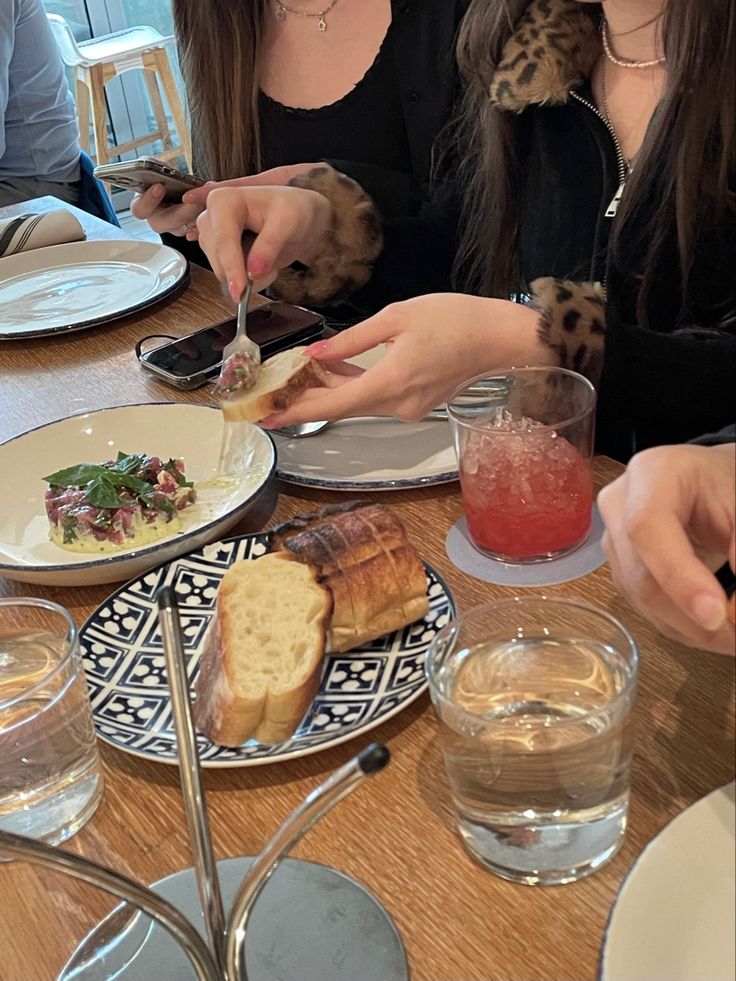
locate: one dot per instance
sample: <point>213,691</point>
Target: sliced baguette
<point>363,556</point>
<point>263,652</point>
<point>281,379</point>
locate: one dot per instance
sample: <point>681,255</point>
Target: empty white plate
<point>673,919</point>
<point>181,430</point>
<point>82,284</point>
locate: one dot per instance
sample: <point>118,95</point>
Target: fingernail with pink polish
<point>233,290</point>
<point>257,266</point>
<point>709,611</point>
<point>314,350</point>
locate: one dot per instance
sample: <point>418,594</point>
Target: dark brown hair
<point>219,47</point>
<point>686,165</point>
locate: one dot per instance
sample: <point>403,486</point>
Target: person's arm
<point>670,524</point>
<point>7,44</point>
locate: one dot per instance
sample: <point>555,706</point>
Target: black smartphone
<point>139,175</point>
<point>191,361</point>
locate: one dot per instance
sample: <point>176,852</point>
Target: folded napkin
<point>31,231</point>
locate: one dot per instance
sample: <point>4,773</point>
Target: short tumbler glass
<point>534,698</point>
<point>524,444</point>
<point>50,774</point>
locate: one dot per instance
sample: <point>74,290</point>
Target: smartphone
<point>191,361</point>
<point>139,175</point>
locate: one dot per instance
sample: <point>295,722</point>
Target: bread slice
<point>363,556</point>
<point>281,379</point>
<point>262,657</point>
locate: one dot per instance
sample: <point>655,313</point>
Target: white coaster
<point>583,560</point>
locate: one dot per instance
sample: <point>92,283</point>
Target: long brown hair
<point>686,165</point>
<point>219,46</point>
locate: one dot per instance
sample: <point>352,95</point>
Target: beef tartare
<point>132,500</point>
<point>238,374</point>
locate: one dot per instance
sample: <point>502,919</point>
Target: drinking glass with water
<point>534,698</point>
<point>50,775</point>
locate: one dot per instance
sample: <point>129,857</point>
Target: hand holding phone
<point>138,175</point>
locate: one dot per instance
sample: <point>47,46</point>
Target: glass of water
<point>534,698</point>
<point>50,775</point>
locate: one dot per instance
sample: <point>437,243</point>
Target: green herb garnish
<point>101,484</point>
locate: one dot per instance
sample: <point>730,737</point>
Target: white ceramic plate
<point>370,454</point>
<point>126,675</point>
<point>81,284</point>
<point>176,429</point>
<point>673,919</point>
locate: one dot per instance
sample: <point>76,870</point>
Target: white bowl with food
<point>132,487</point>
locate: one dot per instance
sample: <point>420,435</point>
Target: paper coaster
<point>583,560</point>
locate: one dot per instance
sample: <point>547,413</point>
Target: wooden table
<point>396,835</point>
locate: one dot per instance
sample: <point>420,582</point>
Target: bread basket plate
<point>180,430</point>
<point>126,674</point>
<point>370,454</point>
<point>77,285</point>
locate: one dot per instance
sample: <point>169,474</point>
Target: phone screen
<point>273,328</point>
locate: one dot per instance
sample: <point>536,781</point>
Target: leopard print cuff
<point>573,323</point>
<point>354,241</point>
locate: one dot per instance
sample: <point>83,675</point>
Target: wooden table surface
<point>396,835</point>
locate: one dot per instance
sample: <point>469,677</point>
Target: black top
<point>366,124</point>
<point>388,123</point>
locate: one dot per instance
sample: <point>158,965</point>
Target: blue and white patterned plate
<point>126,674</point>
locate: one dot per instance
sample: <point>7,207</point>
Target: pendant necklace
<point>282,10</point>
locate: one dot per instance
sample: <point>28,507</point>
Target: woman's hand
<point>178,219</point>
<point>290,224</point>
<point>434,344</point>
<point>669,523</point>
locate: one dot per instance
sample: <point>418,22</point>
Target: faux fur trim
<point>353,243</point>
<point>572,323</point>
<point>553,49</point>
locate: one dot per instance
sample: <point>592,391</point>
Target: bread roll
<point>361,553</point>
<point>280,380</point>
<point>262,656</point>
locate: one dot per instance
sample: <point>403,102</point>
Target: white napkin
<point>32,231</point>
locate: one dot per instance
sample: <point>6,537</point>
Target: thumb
<point>198,195</point>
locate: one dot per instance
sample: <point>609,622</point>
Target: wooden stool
<point>97,61</point>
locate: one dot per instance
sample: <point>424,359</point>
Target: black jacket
<point>667,382</point>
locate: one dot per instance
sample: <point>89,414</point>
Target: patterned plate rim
<point>329,743</point>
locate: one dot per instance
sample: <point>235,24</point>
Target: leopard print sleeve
<point>572,322</point>
<point>354,241</point>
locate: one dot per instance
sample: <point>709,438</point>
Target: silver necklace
<point>282,10</point>
<point>620,61</point>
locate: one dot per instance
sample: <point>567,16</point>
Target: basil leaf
<point>101,493</point>
<point>127,463</point>
<point>76,476</point>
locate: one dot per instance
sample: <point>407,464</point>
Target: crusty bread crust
<point>363,556</point>
<point>230,713</point>
<point>279,384</point>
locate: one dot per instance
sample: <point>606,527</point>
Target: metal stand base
<point>311,923</point>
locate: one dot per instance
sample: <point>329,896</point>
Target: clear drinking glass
<point>50,775</point>
<point>524,444</point>
<point>534,698</point>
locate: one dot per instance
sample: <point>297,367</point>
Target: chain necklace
<point>620,61</point>
<point>282,10</point>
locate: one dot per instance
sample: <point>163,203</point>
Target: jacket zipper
<point>623,169</point>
